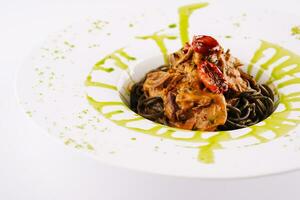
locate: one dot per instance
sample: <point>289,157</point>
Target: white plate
<point>63,85</point>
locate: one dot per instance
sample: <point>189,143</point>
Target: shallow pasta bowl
<point>76,87</point>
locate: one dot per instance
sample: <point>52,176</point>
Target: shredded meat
<point>230,65</point>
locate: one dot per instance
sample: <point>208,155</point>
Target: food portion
<point>202,88</point>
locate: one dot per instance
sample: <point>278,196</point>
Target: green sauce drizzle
<point>108,70</point>
<point>116,57</point>
<point>172,25</point>
<point>89,82</point>
<point>184,15</point>
<point>278,71</point>
<point>159,40</point>
<point>296,31</point>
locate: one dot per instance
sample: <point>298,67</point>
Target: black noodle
<point>151,108</point>
<point>249,107</point>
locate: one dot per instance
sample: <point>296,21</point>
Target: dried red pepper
<point>212,77</point>
<point>203,44</point>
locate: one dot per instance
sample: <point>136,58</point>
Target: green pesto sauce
<point>184,15</point>
<point>89,82</point>
<point>295,30</point>
<point>81,126</point>
<point>109,69</point>
<point>160,42</point>
<point>90,147</point>
<point>279,70</point>
<point>172,25</point>
<point>116,57</point>
<point>69,44</point>
<point>84,145</point>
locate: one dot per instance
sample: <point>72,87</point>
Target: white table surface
<point>33,166</point>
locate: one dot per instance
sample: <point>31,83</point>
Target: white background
<point>34,166</point>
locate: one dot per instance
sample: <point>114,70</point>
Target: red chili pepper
<point>212,77</point>
<point>203,44</point>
